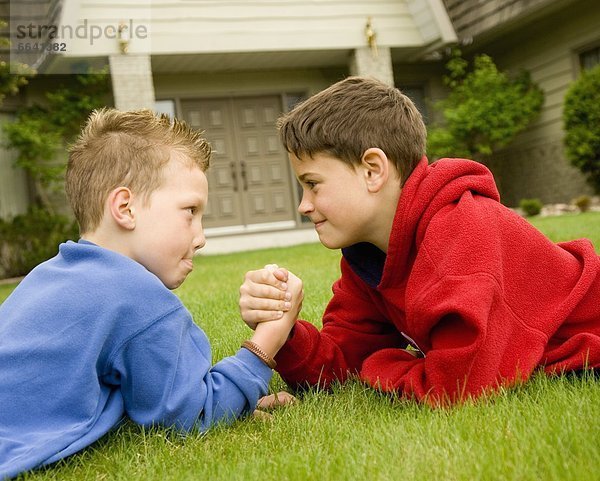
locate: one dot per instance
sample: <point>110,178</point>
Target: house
<point>554,40</point>
<point>231,68</point>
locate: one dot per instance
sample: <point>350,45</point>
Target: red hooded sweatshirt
<point>481,296</point>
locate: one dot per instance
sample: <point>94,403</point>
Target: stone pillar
<point>368,62</point>
<point>132,83</point>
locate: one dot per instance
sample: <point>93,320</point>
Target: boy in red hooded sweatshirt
<point>444,292</point>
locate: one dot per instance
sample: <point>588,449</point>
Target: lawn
<point>547,429</point>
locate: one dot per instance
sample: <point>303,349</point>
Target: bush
<point>32,238</point>
<point>40,132</point>
<point>484,110</point>
<point>581,118</point>
<point>583,203</point>
<point>13,75</point>
<point>531,206</point>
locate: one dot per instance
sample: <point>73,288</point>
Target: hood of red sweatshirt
<point>430,188</point>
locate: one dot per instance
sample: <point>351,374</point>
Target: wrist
<point>267,341</point>
<point>258,352</point>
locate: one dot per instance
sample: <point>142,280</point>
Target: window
<point>589,58</point>
<point>165,107</point>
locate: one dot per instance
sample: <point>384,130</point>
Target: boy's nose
<point>199,241</point>
<point>305,206</point>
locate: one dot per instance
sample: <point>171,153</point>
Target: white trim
<point>226,244</point>
<point>442,20</point>
<point>244,229</point>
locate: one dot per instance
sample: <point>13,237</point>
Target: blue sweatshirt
<point>91,336</point>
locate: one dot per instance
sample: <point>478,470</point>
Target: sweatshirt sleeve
<point>166,377</point>
<point>353,328</point>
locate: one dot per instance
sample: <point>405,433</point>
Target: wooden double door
<point>249,177</point>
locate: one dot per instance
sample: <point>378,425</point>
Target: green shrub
<point>531,206</point>
<point>40,132</point>
<point>484,110</point>
<point>583,203</point>
<point>13,75</point>
<point>31,238</point>
<point>581,118</point>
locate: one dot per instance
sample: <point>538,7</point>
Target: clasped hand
<point>270,294</point>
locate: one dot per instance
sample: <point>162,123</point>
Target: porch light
<point>123,36</point>
<point>371,36</point>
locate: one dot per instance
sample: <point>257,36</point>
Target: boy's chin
<point>331,244</point>
<point>172,284</point>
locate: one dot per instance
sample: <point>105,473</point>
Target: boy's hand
<point>270,336</point>
<point>281,398</point>
<point>264,295</point>
<point>296,292</point>
<point>272,401</point>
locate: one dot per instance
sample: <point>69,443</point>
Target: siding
<point>211,26</point>
<point>535,164</point>
<point>474,17</point>
<point>22,14</point>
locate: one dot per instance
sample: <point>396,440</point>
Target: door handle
<point>234,176</point>
<point>244,176</point>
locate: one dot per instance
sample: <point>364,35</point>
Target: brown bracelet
<point>258,352</point>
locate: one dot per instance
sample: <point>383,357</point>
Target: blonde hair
<point>128,149</point>
<point>352,116</point>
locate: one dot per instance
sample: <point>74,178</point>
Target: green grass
<point>5,290</point>
<point>547,429</point>
<point>573,226</point>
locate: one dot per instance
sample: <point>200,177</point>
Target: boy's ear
<point>376,168</point>
<point>121,208</point>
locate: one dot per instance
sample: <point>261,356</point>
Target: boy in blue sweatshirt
<point>95,334</point>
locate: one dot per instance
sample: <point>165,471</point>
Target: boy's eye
<point>192,210</point>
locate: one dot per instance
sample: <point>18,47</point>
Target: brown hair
<point>352,116</point>
<point>127,149</point>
